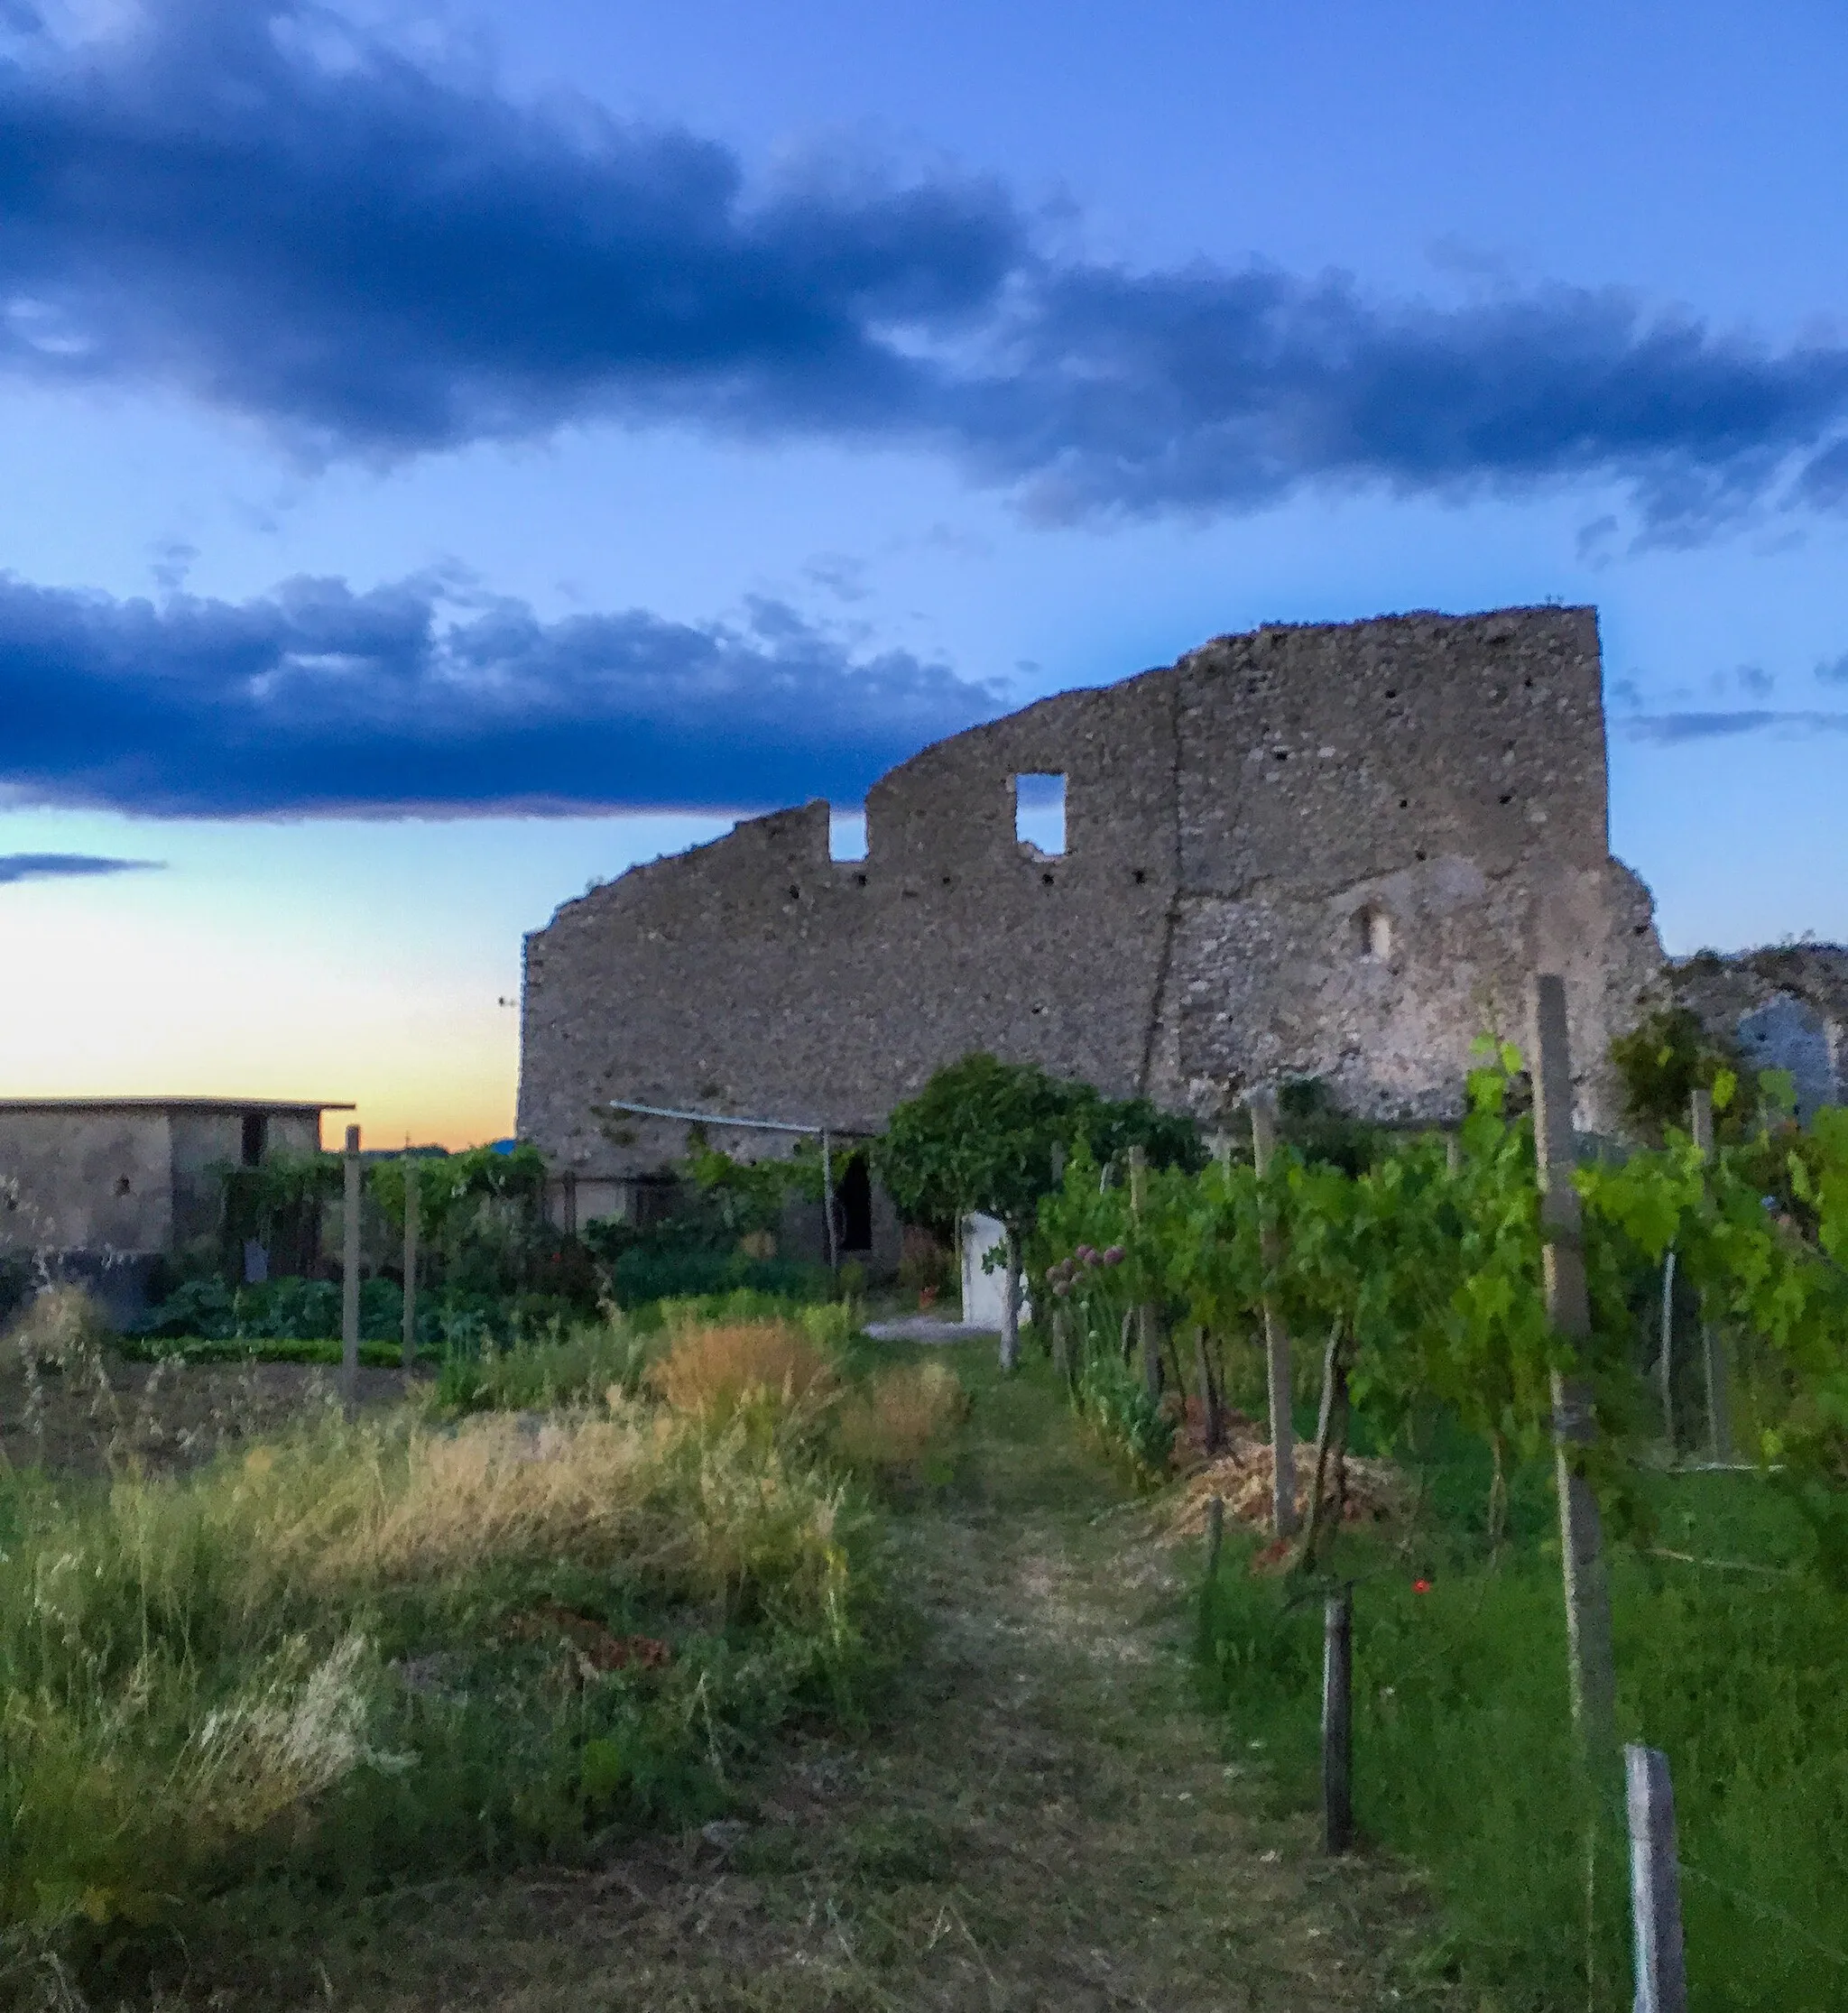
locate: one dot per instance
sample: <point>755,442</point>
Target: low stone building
<point>99,1187</point>
<point>1335,851</point>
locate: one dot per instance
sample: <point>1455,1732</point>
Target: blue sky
<point>459,451</point>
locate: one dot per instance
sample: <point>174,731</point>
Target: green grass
<point>1463,1744</point>
<point>400,1646</point>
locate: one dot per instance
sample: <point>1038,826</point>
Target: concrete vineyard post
<point>349,1270</point>
<point>1666,1361</point>
<point>412,1199</point>
<point>1215,1534</point>
<point>1148,1315</point>
<point>1337,1721</point>
<point>1575,1422</point>
<point>1655,1884</point>
<point>1713,1345</point>
<point>1276,1341</point>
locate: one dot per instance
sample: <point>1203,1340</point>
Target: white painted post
<point>412,1184</point>
<point>1712,1341</point>
<point>1667,1364</point>
<point>1575,1420</point>
<point>1655,1884</point>
<point>349,1271</point>
<point>1276,1341</point>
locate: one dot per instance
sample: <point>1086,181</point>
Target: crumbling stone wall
<point>1335,850</point>
<point>1782,1008</point>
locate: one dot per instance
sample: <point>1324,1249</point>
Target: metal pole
<point>412,1187</point>
<point>349,1271</point>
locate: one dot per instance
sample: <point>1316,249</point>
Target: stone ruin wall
<point>1338,851</point>
<point>1785,1007</point>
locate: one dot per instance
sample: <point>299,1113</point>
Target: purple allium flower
<point>1086,1255</point>
<point>1114,1255</point>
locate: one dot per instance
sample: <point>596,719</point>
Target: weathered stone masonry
<point>1338,851</point>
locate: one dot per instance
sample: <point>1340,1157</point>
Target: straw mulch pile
<point>1376,1493</point>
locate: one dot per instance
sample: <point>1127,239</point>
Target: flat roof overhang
<point>172,1104</point>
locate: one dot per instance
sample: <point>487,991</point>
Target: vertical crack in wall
<point>1170,923</point>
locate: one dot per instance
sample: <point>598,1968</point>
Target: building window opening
<point>852,1202</point>
<point>1372,933</point>
<point>256,1139</point>
<point>1039,814</point>
<point>123,1186</point>
<point>847,832</point>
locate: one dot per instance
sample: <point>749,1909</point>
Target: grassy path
<point>1042,1818</point>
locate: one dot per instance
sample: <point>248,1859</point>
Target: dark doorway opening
<point>854,1203</point>
<point>256,1137</point>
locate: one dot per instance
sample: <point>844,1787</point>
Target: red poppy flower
<point>1421,1586</point>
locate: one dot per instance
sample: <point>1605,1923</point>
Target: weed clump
<point>711,1372</point>
<point>61,1327</point>
<point>897,1426</point>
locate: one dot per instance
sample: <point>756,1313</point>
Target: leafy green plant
<point>986,1136</point>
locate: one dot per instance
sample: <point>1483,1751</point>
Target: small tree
<point>981,1136</point>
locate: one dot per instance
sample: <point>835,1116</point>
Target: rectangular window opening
<point>847,832</point>
<point>1039,813</point>
<point>255,1141</point>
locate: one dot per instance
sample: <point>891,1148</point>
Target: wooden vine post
<point>1711,1342</point>
<point>1574,1419</point>
<point>349,1270</point>
<point>1337,1721</point>
<point>1276,1339</point>
<point>1148,1315</point>
<point>411,1198</point>
<point>1655,1884</point>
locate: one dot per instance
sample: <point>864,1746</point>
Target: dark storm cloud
<point>65,866</point>
<point>256,208</point>
<point>316,699</point>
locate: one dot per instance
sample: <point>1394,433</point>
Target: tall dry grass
<point>902,1422</point>
<point>189,1663</point>
<point>711,1372</point>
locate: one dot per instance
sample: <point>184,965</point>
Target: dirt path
<point>1044,1820</point>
